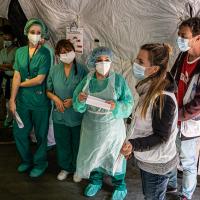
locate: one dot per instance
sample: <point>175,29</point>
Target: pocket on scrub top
<point>56,115</point>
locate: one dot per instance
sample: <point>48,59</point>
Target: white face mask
<point>103,67</point>
<point>7,43</point>
<point>183,44</point>
<point>67,57</point>
<point>33,38</point>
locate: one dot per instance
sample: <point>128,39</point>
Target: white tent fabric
<point>123,25</point>
<point>4,8</point>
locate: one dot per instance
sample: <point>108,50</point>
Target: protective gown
<point>103,132</point>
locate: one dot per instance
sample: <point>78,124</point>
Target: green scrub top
<point>8,58</point>
<point>64,87</point>
<point>34,97</point>
<point>124,102</point>
<point>51,50</point>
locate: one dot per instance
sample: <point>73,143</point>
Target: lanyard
<point>29,60</point>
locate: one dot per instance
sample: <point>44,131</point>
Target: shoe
<point>171,190</point>
<point>76,178</point>
<point>23,168</point>
<point>35,172</point>
<point>91,190</point>
<point>62,175</point>
<point>119,194</point>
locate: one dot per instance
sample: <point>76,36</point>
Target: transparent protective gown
<point>103,132</point>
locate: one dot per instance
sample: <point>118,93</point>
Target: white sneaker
<point>76,178</point>
<point>62,175</point>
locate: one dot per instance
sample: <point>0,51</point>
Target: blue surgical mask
<point>183,44</point>
<point>138,71</point>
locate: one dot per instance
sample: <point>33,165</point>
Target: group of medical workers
<point>92,141</point>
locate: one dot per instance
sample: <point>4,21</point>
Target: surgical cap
<point>34,21</point>
<point>97,52</point>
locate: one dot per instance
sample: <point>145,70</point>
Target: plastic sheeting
<point>4,8</point>
<point>123,25</point>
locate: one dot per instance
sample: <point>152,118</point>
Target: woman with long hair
<point>154,128</point>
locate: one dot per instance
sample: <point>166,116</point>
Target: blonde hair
<point>158,56</point>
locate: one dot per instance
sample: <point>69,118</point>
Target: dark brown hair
<point>194,24</point>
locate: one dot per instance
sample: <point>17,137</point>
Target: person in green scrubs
<point>61,83</point>
<point>50,136</point>
<point>29,100</point>
<point>7,57</point>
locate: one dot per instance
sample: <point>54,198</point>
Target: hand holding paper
<point>97,102</point>
<point>112,104</point>
<point>82,96</point>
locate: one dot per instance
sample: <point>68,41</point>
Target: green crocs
<point>119,194</point>
<point>91,190</point>
<point>23,167</point>
<point>35,172</point>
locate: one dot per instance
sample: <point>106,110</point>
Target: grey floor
<point>15,186</point>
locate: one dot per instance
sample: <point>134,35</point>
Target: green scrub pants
<point>96,178</point>
<point>40,121</point>
<point>67,144</point>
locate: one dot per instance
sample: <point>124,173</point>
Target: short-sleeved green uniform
<point>67,124</point>
<point>51,51</point>
<point>33,106</point>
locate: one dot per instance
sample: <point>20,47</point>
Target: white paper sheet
<point>18,120</point>
<point>97,102</point>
